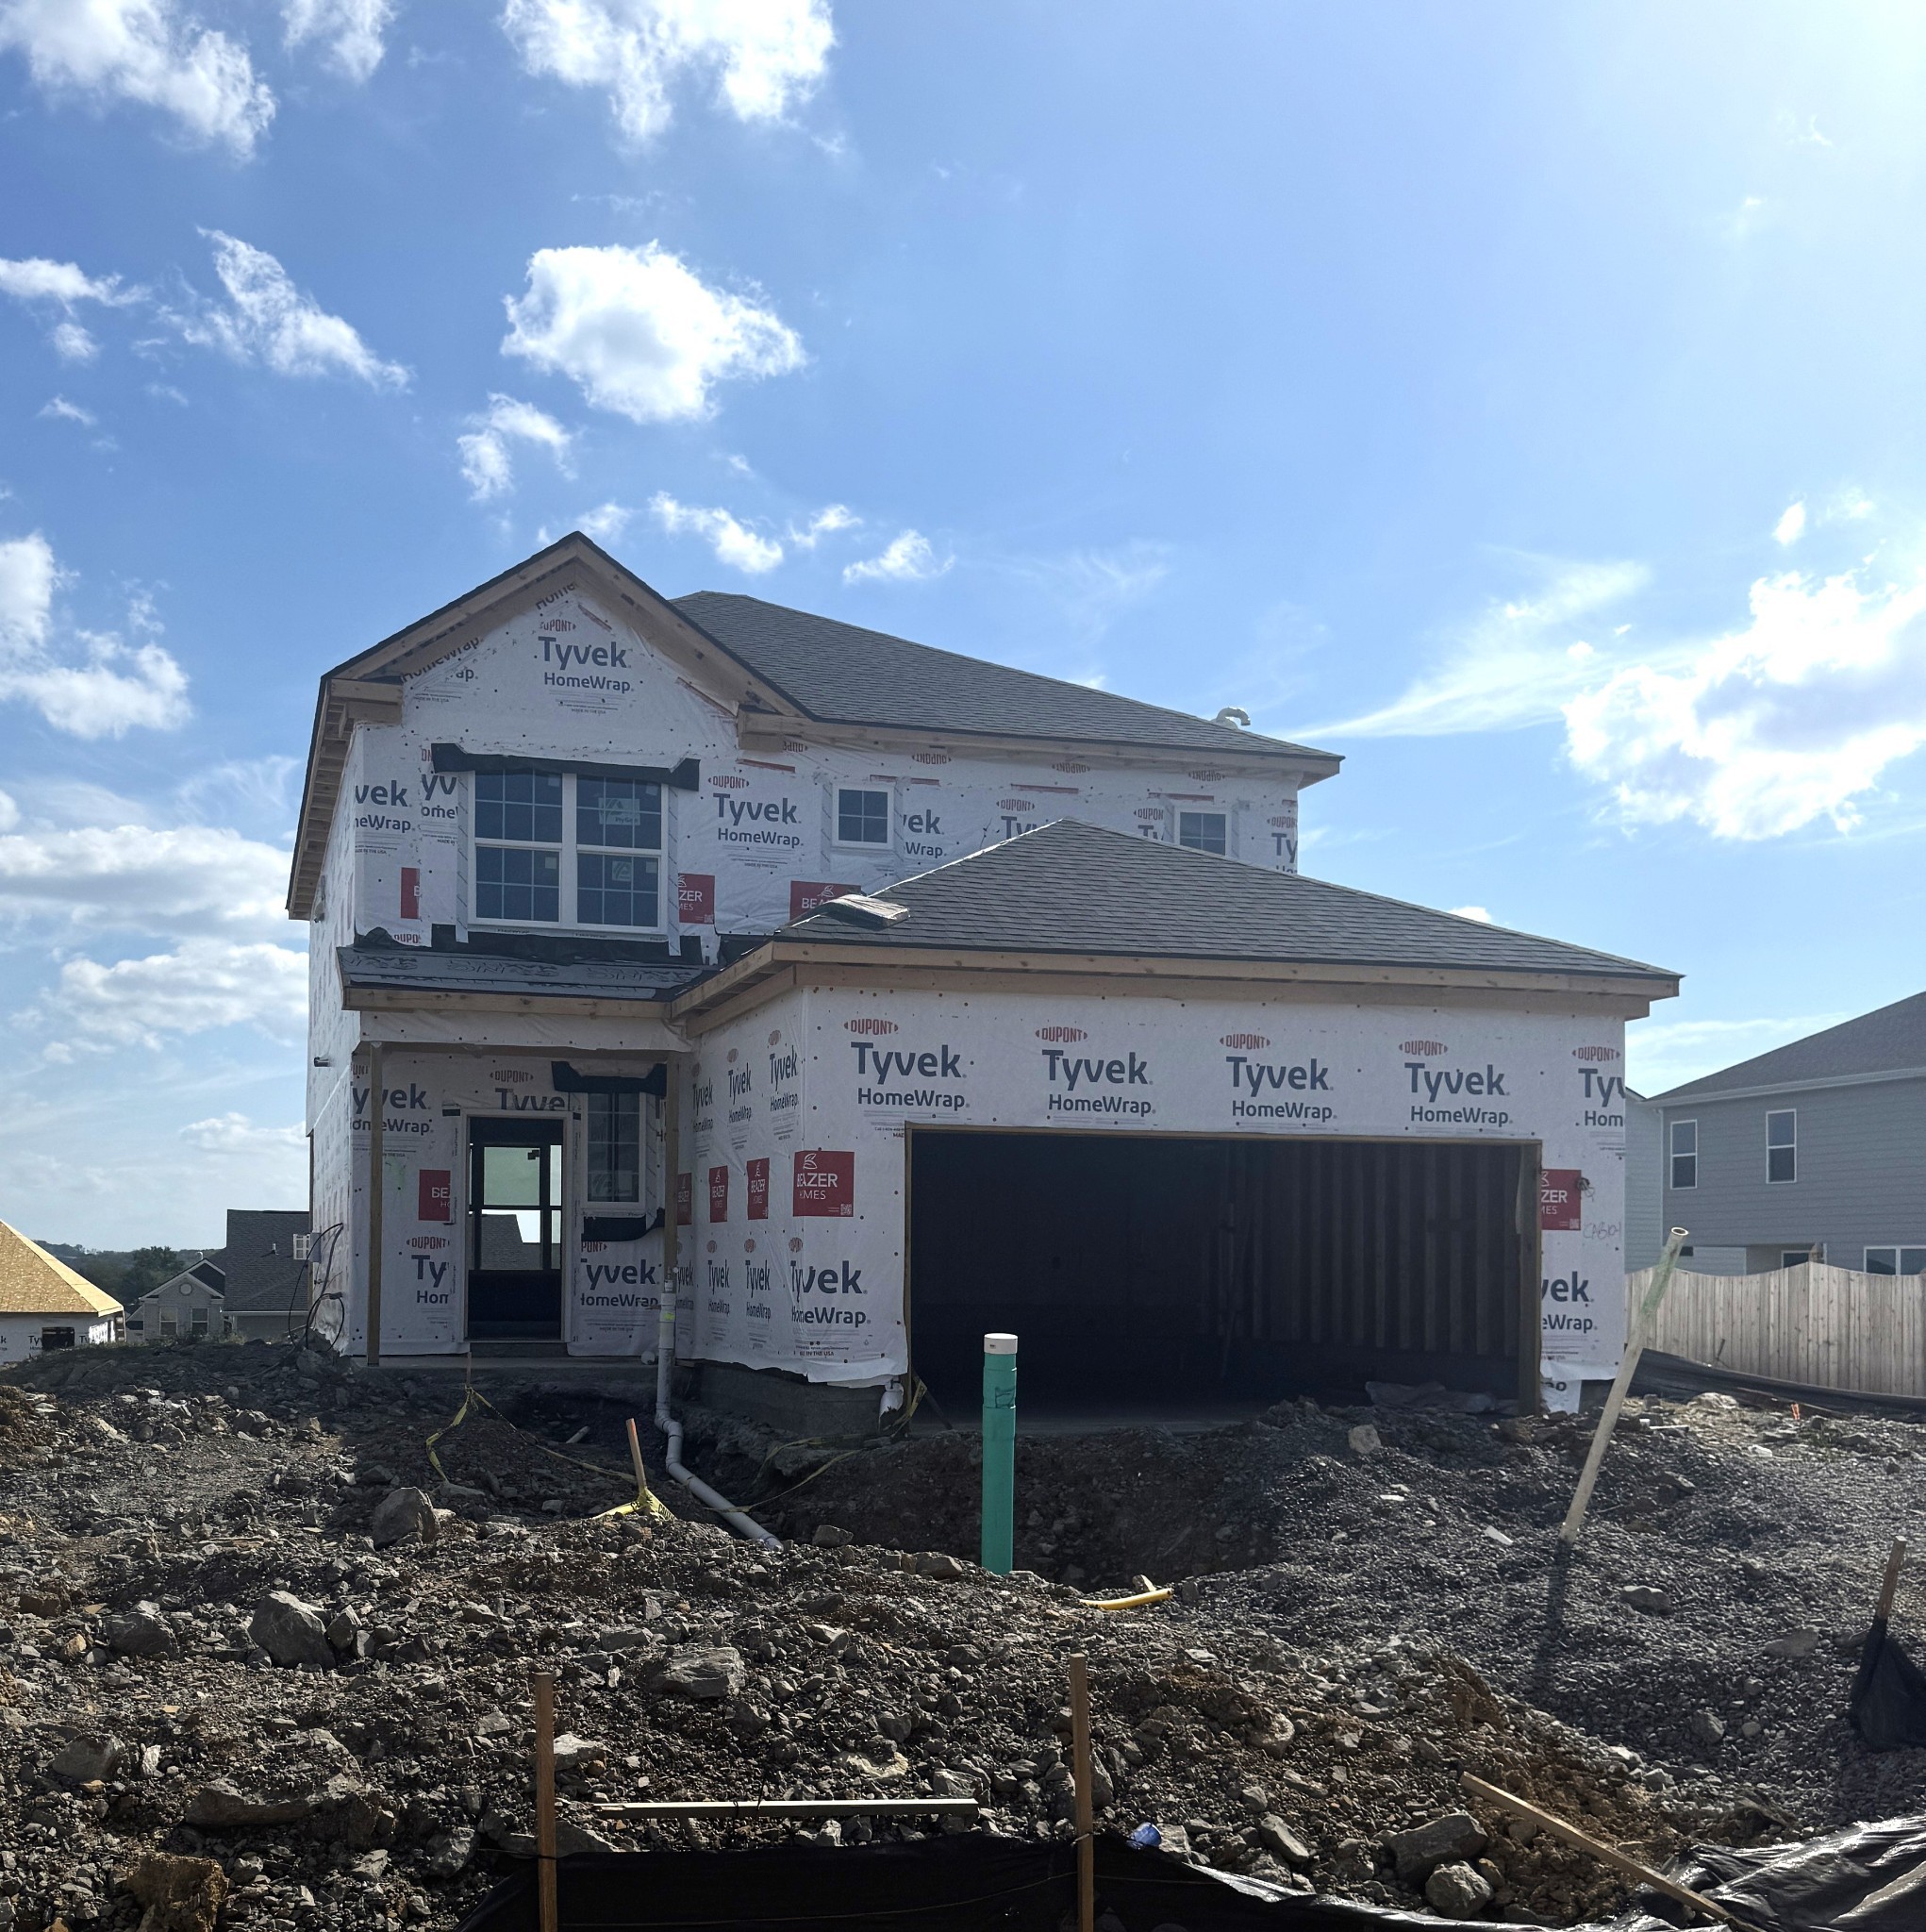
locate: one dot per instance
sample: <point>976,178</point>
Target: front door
<point>515,1230</point>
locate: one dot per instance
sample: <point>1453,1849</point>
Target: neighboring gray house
<point>1815,1149</point>
<point>186,1307</point>
<point>266,1264</point>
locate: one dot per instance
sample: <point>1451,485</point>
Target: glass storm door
<point>515,1230</point>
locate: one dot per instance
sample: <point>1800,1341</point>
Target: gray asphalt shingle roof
<point>1887,1041</point>
<point>841,673</point>
<point>1073,887</point>
<point>368,969</point>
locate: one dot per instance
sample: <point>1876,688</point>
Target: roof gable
<point>1889,1039</point>
<point>33,1282</point>
<point>1078,888</point>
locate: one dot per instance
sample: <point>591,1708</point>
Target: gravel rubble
<point>221,1702</point>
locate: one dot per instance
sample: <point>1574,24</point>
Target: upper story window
<point>1685,1154</point>
<point>302,1242</point>
<point>862,817</point>
<point>1203,831</point>
<point>1782,1146</point>
<point>551,848</point>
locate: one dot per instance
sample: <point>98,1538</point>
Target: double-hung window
<point>1782,1146</point>
<point>1685,1154</point>
<point>615,1146</point>
<point>862,816</point>
<point>1895,1260</point>
<point>1203,831</point>
<point>553,848</point>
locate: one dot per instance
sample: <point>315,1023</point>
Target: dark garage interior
<point>1177,1271</point>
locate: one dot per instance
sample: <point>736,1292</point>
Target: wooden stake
<point>1889,1588</point>
<point>1570,1835</point>
<point>545,1799</point>
<point>1080,1756</point>
<point>1621,1383</point>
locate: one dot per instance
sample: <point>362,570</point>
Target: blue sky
<point>1525,402</point>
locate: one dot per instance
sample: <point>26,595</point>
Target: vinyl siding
<point>1861,1172</point>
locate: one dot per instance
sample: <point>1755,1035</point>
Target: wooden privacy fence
<point>1832,1327</point>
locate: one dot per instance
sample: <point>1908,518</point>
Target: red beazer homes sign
<point>1560,1200</point>
<point>826,1184</point>
<point>758,1189</point>
<point>719,1194</point>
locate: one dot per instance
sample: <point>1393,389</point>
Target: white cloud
<point>765,54</point>
<point>1477,913</point>
<point>1791,526</point>
<point>827,521</point>
<point>1664,1054</point>
<point>203,984</point>
<point>605,523</point>
<point>351,31</point>
<point>186,881</point>
<point>908,559</point>
<point>60,409</point>
<point>1790,720</point>
<point>486,462</point>
<point>733,542</point>
<point>1513,666</point>
<point>235,1134</point>
<point>639,332</point>
<point>96,685</point>
<point>268,320</point>
<point>147,51</point>
<point>9,812</point>
<point>71,343</point>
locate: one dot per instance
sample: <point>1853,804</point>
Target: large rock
<point>179,1894</point>
<point>1456,1891</point>
<point>1417,1853</point>
<point>143,1632</point>
<point>577,1754</point>
<point>91,1755</point>
<point>403,1513</point>
<point>703,1671</point>
<point>290,1631</point>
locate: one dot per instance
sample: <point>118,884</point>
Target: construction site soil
<point>221,1702</point>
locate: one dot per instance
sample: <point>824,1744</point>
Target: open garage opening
<point>1162,1274</point>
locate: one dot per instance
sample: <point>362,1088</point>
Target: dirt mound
<point>1382,1614</point>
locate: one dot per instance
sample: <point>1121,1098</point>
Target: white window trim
<point>1792,1145</point>
<point>569,850</point>
<point>887,843</point>
<point>1896,1249</point>
<point>1225,813</point>
<point>1671,1155</point>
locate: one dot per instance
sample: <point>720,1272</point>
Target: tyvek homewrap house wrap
<point>979,993</point>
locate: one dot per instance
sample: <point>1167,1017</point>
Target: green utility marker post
<point>998,1454</point>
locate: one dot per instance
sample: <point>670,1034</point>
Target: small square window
<point>1794,1257</point>
<point>862,818</point>
<point>1203,831</point>
<point>1882,1260</point>
<point>1913,1260</point>
<point>199,1324</point>
<point>522,806</point>
<point>1685,1154</point>
<point>1781,1154</point>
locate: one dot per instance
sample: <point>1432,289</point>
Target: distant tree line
<point>127,1274</point>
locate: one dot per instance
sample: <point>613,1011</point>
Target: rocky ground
<point>244,1670</point>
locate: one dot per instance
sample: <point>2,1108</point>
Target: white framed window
<point>198,1325</point>
<point>302,1242</point>
<point>1782,1146</point>
<point>1684,1149</point>
<point>553,848</point>
<point>169,1321</point>
<point>1204,831</point>
<point>862,815</point>
<point>1897,1259</point>
<point>1794,1257</point>
<point>615,1147</point>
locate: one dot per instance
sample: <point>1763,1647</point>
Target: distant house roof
<point>841,673</point>
<point>1890,1040</point>
<point>263,1276</point>
<point>202,1274</point>
<point>33,1282</point>
<point>1078,888</point>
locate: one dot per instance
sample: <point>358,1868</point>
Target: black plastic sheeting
<point>1866,1878</point>
<point>1678,1378</point>
<point>1888,1702</point>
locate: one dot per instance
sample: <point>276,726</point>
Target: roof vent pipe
<point>1234,714</point>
